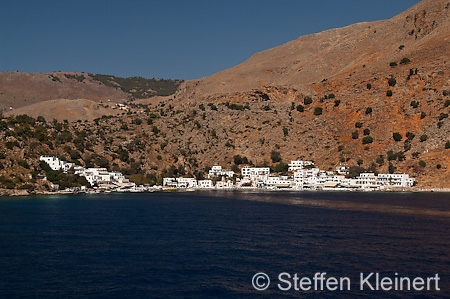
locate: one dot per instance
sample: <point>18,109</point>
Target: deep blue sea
<point>211,244</point>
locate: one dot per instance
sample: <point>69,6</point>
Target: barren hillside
<point>373,95</point>
<point>353,53</point>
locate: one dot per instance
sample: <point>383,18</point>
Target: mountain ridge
<point>385,110</point>
<point>308,59</point>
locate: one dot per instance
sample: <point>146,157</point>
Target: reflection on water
<point>437,204</point>
<point>210,244</point>
<point>353,206</point>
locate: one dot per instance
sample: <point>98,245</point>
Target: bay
<point>210,244</point>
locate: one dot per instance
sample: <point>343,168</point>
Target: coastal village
<point>304,175</point>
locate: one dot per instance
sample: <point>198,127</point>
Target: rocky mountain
<point>354,53</point>
<point>48,94</point>
<point>373,96</point>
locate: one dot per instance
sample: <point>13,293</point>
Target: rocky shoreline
<point>12,192</point>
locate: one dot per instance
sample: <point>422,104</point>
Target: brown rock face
<point>18,90</point>
<point>363,50</point>
<point>346,71</point>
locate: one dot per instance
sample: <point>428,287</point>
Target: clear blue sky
<point>164,39</point>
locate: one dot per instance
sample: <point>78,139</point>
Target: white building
<point>217,171</point>
<point>248,171</point>
<point>367,179</point>
<point>57,164</point>
<point>205,184</point>
<point>93,175</point>
<point>299,165</point>
<point>170,182</point>
<point>395,180</point>
<point>224,184</point>
<point>279,182</point>
<point>186,183</point>
<point>342,170</point>
<point>102,176</point>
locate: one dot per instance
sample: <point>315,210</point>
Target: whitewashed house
<point>299,165</point>
<point>395,180</point>
<point>57,164</point>
<point>224,184</point>
<point>279,182</point>
<point>186,183</point>
<point>217,171</point>
<point>170,182</point>
<point>205,184</point>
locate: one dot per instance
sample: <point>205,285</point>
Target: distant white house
<point>101,176</point>
<point>299,165</point>
<point>170,182</point>
<point>248,171</point>
<point>224,184</point>
<point>93,175</point>
<point>279,182</point>
<point>57,164</point>
<point>217,171</point>
<point>187,183</point>
<point>205,184</point>
<point>342,170</point>
<point>395,179</point>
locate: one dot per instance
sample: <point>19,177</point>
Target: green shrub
<point>280,167</point>
<point>366,132</point>
<point>392,81</point>
<point>336,103</point>
<point>317,111</point>
<point>275,156</point>
<point>367,140</point>
<point>447,103</point>
<point>414,104</point>
<point>139,87</point>
<point>422,163</point>
<point>397,136</point>
<point>307,100</point>
<point>24,164</point>
<point>422,115</point>
<point>202,107</point>
<point>380,160</point>
<point>405,60</point>
<point>300,108</point>
<point>369,86</point>
<point>368,110</point>
<point>438,166</point>
<point>392,168</point>
<point>447,145</point>
<point>443,116</point>
<point>358,124</point>
<point>238,160</point>
<point>355,135</point>
<point>423,138</point>
<point>389,93</point>
<point>407,145</point>
<point>393,63</point>
<point>331,96</point>
<point>410,136</point>
<point>212,106</point>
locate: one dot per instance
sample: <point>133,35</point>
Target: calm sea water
<point>211,244</point>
